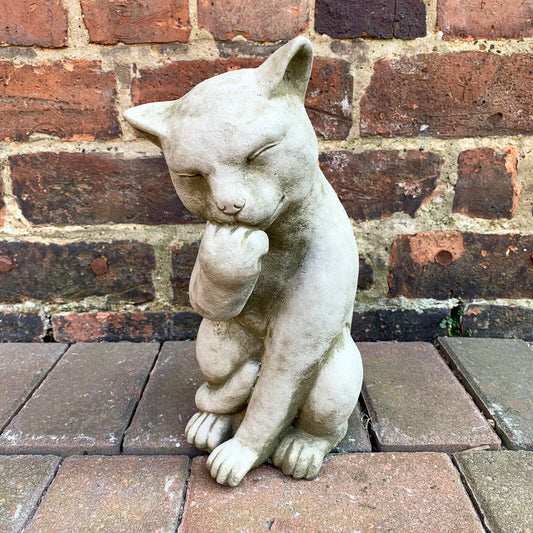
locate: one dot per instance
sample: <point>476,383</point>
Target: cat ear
<point>288,69</point>
<point>151,119</point>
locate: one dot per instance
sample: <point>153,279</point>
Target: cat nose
<point>231,208</point>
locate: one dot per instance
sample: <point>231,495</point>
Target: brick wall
<point>424,114</point>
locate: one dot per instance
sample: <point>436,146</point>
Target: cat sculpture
<point>276,272</point>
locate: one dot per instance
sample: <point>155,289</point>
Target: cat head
<point>239,146</point>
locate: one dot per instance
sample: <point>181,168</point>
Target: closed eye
<point>263,148</point>
<point>190,175</point>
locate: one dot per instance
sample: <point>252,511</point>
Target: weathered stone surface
<point>498,373</point>
<point>133,327</point>
<point>450,264</point>
<point>70,99</point>
<point>398,325</point>
<point>21,327</point>
<point>33,22</point>
<point>23,366</point>
<point>23,479</point>
<point>403,389</point>
<point>486,186</point>
<point>501,484</point>
<point>114,494</point>
<point>328,100</point>
<point>464,94</point>
<point>138,21</point>
<point>56,273</point>
<point>108,188</point>
<point>256,20</point>
<point>511,322</point>
<point>85,403</point>
<point>357,492</point>
<point>497,19</point>
<point>376,184</point>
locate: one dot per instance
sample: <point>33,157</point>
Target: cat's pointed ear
<point>151,119</point>
<point>288,69</point>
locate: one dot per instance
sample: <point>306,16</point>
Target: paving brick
<point>449,264</point>
<point>511,322</point>
<point>497,19</point>
<point>34,22</point>
<point>328,99</point>
<point>404,388</point>
<point>257,20</point>
<point>501,484</point>
<point>23,479</point>
<point>21,327</point>
<point>499,375</point>
<point>168,402</point>
<point>72,100</point>
<point>92,494</point>
<point>108,188</point>
<point>59,273</point>
<point>85,403</point>
<point>375,184</point>
<point>356,492</point>
<point>486,185</point>
<point>130,327</point>
<point>23,366</point>
<point>137,21</point>
<point>465,94</point>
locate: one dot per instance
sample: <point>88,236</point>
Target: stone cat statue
<point>276,273</point>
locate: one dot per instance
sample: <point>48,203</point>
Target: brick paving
<point>92,440</point>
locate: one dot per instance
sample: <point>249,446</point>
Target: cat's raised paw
<point>206,431</point>
<point>230,462</point>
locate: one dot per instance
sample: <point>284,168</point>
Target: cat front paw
<point>206,431</point>
<point>231,461</point>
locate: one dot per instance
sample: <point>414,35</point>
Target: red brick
<point>511,322</point>
<point>486,185</point>
<point>374,185</point>
<point>183,259</point>
<point>257,20</point>
<point>21,327</point>
<point>419,492</point>
<point>136,21</point>
<point>116,327</point>
<point>328,100</point>
<point>491,19</point>
<point>33,22</point>
<point>59,273</point>
<point>480,266</point>
<point>464,94</point>
<point>384,19</point>
<point>108,189</point>
<point>70,99</point>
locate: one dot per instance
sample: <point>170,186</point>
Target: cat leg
<point>323,418</point>
<point>227,355</point>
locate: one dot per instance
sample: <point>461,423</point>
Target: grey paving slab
<point>168,403</point>
<point>395,492</point>
<point>22,367</point>
<point>23,479</point>
<point>499,374</point>
<point>85,403</point>
<point>501,484</point>
<point>114,494</point>
<point>416,403</point>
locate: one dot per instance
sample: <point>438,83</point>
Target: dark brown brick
<point>133,327</point>
<point>257,20</point>
<point>496,19</point>
<point>58,273</point>
<point>486,184</point>
<point>449,95</point>
<point>481,265</point>
<point>70,99</point>
<point>108,188</point>
<point>366,274</point>
<point>384,19</point>
<point>21,327</point>
<point>137,21</point>
<point>328,100</point>
<point>511,322</point>
<point>34,22</point>
<point>183,259</point>
<point>376,184</point>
